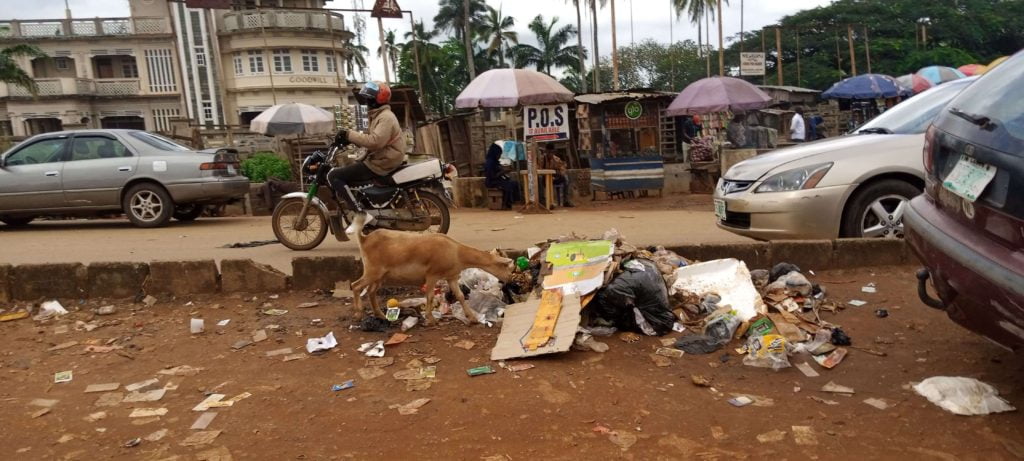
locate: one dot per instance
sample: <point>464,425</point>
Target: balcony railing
<point>117,87</point>
<point>57,28</point>
<point>77,87</point>
<point>252,20</point>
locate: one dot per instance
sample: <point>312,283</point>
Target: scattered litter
<point>856,302</point>
<point>701,381</point>
<point>308,305</point>
<point>259,336</point>
<point>804,435</point>
<point>836,388</point>
<point>806,369</point>
<point>148,396</point>
<point>881,313</point>
<point>482,370</point>
<point>345,385</point>
<point>200,438</point>
<point>624,440</point>
<point>275,312</point>
<point>13,316</point>
<point>465,344</point>
<point>62,377</point>
<point>519,367</point>
<point>831,360</point>
<point>771,436</point>
<point>372,349</point>
<point>290,357</point>
<point>321,344</point>
<point>46,403</point>
<point>206,403</point>
<point>382,362</point>
<point>39,413</point>
<point>203,420</point>
<point>728,276</point>
<point>254,243</point>
<point>374,324</point>
<point>869,288</point>
<point>147,412</point>
<point>520,319</point>
<point>877,403</point>
<point>397,338</point>
<point>110,399</point>
<point>132,443</point>
<point>106,387</point>
<point>342,289</point>
<point>149,300</point>
<point>369,373</point>
<point>962,396</point>
<point>276,352</point>
<point>767,351</point>
<point>741,401</point>
<point>241,344</point>
<point>410,408</point>
<point>661,360</point>
<point>106,310</point>
<point>93,417</point>
<point>180,370</point>
<point>409,323</point>
<point>698,344</point>
<point>821,400</point>
<point>196,326</point>
<point>156,436</point>
<point>49,310</point>
<point>141,385</point>
<point>223,323</point>
<point>674,353</point>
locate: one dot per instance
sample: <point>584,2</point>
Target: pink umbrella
<point>914,82</point>
<point>511,88</point>
<point>718,94</point>
<point>971,69</point>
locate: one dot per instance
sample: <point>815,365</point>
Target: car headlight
<point>796,179</point>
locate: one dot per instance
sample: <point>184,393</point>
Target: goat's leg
<point>357,298</point>
<point>468,311</point>
<point>428,310</point>
<point>375,300</point>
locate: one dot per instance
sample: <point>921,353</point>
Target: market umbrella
<point>867,86</point>
<point>718,94</point>
<point>511,88</point>
<point>995,62</point>
<point>293,118</point>
<point>914,82</point>
<point>972,69</point>
<point>940,74</point>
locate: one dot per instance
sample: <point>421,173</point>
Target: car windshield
<point>998,99</point>
<point>915,114</point>
<point>159,142</point>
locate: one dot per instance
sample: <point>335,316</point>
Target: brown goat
<point>411,259</point>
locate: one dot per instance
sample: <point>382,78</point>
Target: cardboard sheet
<point>578,267</point>
<point>519,320</point>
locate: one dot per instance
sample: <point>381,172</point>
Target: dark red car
<point>968,226</point>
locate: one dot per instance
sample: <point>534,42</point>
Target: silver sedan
<point>92,172</point>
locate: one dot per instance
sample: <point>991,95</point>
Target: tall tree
<point>463,18</point>
<point>698,11</point>
<point>581,71</point>
<point>389,51</point>
<point>553,49</point>
<point>355,56</point>
<point>498,31</point>
<point>11,73</point>
<point>597,54</point>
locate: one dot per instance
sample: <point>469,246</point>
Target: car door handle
<point>52,173</point>
<point>124,168</point>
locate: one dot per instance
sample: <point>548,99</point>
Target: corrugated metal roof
<point>600,98</point>
<point>792,89</point>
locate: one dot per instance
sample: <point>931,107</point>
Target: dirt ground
<point>554,411</point>
<point>672,220</point>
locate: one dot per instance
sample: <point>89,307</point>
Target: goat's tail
<point>358,222</point>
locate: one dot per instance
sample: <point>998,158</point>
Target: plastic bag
<point>488,308</point>
<point>643,289</point>
<point>478,280</point>
<point>721,325</point>
<point>962,396</point>
<point>667,260</point>
<point>767,351</point>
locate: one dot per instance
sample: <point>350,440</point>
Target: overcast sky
<point>651,19</point>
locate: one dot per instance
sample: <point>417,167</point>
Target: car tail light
<point>927,156</point>
<point>218,166</point>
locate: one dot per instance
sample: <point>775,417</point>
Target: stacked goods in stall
<point>345,119</point>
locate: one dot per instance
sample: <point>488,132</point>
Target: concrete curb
<point>33,282</point>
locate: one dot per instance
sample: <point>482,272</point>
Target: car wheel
<point>188,212</point>
<point>17,222</point>
<point>877,210</point>
<point>148,205</point>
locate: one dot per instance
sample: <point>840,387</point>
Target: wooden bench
<point>624,176</point>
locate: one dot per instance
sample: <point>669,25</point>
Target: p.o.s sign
<point>546,123</point>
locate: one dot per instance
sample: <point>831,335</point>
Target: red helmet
<point>378,92</point>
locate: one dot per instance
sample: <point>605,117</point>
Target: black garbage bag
<point>639,286</point>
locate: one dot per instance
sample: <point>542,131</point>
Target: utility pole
<point>597,54</point>
<point>764,52</point>
<point>384,51</point>
<point>853,57</point>
<point>867,47</point>
<point>799,78</point>
<point>615,52</point>
<point>778,50</point>
<point>721,50</point>
<point>672,41</point>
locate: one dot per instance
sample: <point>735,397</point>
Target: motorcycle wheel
<point>433,206</point>
<point>299,236</point>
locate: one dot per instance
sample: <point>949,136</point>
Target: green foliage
<point>265,165</point>
<point>11,73</point>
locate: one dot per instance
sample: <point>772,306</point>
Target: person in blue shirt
<point>496,178</point>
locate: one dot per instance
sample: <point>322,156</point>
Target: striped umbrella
<point>293,118</point>
<point>972,69</point>
<point>511,88</point>
<point>915,82</point>
<point>940,74</point>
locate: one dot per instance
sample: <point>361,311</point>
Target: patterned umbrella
<point>718,94</point>
<point>972,69</point>
<point>511,88</point>
<point>915,82</point>
<point>940,74</point>
<point>867,86</point>
<point>293,118</point>
<point>995,62</point>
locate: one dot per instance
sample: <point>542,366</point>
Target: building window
<point>200,56</point>
<point>160,68</point>
<point>207,111</point>
<point>331,63</point>
<point>282,61</point>
<point>239,70</point>
<point>129,69</point>
<point>162,118</point>
<point>61,63</point>
<point>255,62</point>
<point>310,61</point>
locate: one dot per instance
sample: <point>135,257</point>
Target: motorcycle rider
<point>383,141</point>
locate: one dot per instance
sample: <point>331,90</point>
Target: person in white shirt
<point>797,130</point>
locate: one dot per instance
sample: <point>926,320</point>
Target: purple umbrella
<point>718,94</point>
<point>511,88</point>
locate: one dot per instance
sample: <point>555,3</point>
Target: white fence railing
<point>235,21</point>
<point>52,28</point>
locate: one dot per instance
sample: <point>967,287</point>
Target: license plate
<point>720,209</point>
<point>969,178</point>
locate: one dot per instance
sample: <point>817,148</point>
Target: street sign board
<point>386,9</point>
<point>546,123</point>
<point>751,63</point>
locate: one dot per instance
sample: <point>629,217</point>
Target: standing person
<point>797,128</point>
<point>384,143</point>
<point>737,132</point>
<point>496,178</point>
<point>550,161</point>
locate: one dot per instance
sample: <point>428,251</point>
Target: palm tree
<point>355,56</point>
<point>597,53</point>
<point>579,45</point>
<point>697,10</point>
<point>553,50</point>
<point>499,31</point>
<point>389,51</point>
<point>11,73</point>
<point>462,18</point>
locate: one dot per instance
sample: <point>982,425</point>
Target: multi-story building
<point>166,61</point>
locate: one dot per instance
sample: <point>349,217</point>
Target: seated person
<point>550,161</point>
<point>736,134</point>
<point>495,177</point>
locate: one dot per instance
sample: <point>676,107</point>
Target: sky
<point>651,19</point>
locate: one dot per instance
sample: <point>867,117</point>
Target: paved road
<point>116,240</point>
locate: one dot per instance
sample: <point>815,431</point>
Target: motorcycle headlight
<point>796,179</point>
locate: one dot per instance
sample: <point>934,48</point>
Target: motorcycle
<point>414,197</point>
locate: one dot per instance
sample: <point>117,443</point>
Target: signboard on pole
<point>386,9</point>
<point>546,123</point>
<point>752,64</point>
